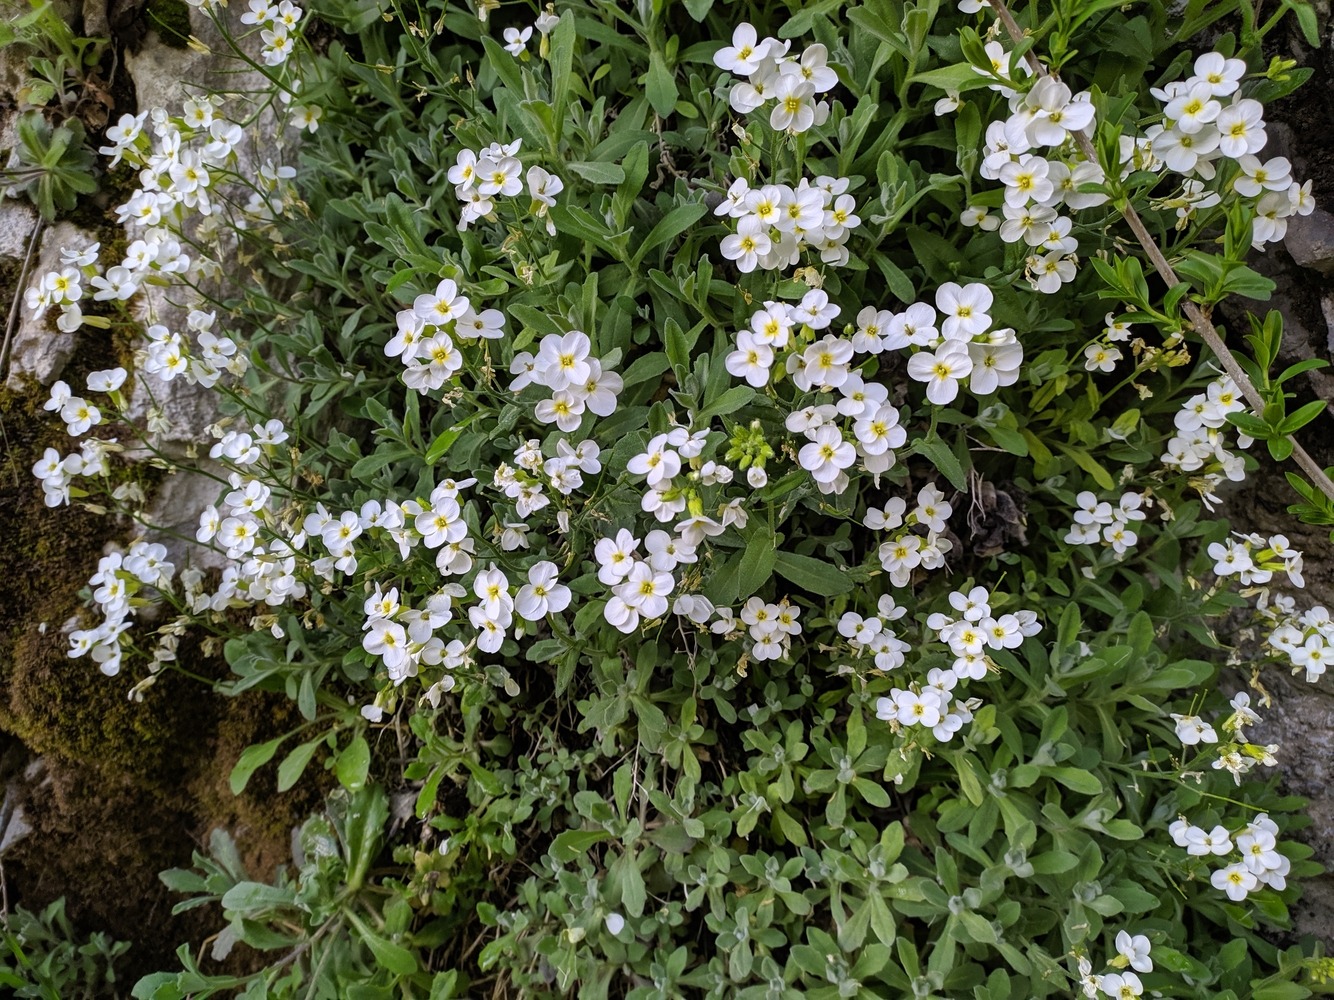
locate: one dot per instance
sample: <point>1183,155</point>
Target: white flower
<point>1026,180</point>
<point>444,306</point>
<point>1101,357</point>
<point>1122,986</point>
<point>1256,177</point>
<point>1135,950</point>
<point>941,370</point>
<point>387,640</point>
<point>745,54</point>
<point>1222,75</point>
<point>1236,880</point>
<point>795,109</point>
<point>1193,109</point>
<point>917,709</point>
<point>563,361</point>
<point>516,40</point>
<point>1241,128</point>
<point>543,594</point>
<point>751,360</point>
<point>994,365</point>
<point>564,409</point>
<point>747,245</point>
<point>492,589</point>
<point>543,186</point>
<point>827,455</point>
<point>106,381</point>
<point>965,309</point>
<point>615,556</point>
<point>645,591</point>
<point>1200,842</point>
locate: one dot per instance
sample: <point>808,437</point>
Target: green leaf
<point>1076,780</point>
<point>252,758</point>
<point>1280,991</point>
<point>959,78</point>
<point>645,369</point>
<point>660,87</point>
<point>757,562</point>
<point>441,445</point>
<point>290,770</point>
<point>256,897</point>
<point>393,957</point>
<point>570,844</point>
<point>729,402</point>
<point>366,467</point>
<point>633,894</point>
<point>670,226</point>
<point>943,459</point>
<point>598,172</point>
<point>562,63</point>
<point>505,66</point>
<point>354,763</point>
<point>814,575</point>
<point>1302,416</point>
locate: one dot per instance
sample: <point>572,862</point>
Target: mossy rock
<point>171,20</point>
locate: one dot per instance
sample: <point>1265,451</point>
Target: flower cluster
<point>1132,951</point>
<point>1200,444</point>
<point>1097,522</point>
<point>769,74</point>
<point>1038,185</point>
<point>907,550</point>
<point>1254,559</point>
<point>775,222</point>
<point>1258,862</point>
<point>526,482</point>
<point>578,381</point>
<point>115,586</point>
<point>1207,140</point>
<point>770,627</point>
<point>424,340</point>
<point>1199,137</point>
<point>516,39</point>
<point>180,163</point>
<point>955,342</point>
<point>479,178</point>
<point>404,638</point>
<point>1235,754</point>
<point>968,632</point>
<point>277,26</point>
<point>1305,640</point>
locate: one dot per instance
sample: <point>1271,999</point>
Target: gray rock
<point>18,220</point>
<point>1327,308</point>
<point>1310,240</point>
<point>174,509</point>
<point>39,350</point>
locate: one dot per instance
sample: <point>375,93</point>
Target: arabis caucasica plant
<point>741,478</point>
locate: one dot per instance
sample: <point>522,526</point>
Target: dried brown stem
<point>1199,322</point>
